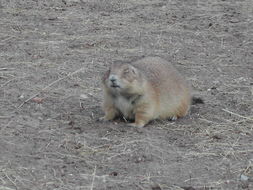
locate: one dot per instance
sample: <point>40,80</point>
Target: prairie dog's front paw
<point>104,118</point>
<point>138,125</point>
<point>173,118</point>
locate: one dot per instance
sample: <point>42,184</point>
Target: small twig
<point>10,180</point>
<point>241,116</point>
<point>5,69</point>
<point>46,87</point>
<point>125,119</point>
<point>115,155</point>
<point>9,37</point>
<point>93,178</point>
<point>139,186</point>
<point>247,169</point>
<point>8,82</point>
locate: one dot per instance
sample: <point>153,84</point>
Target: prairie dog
<point>150,88</point>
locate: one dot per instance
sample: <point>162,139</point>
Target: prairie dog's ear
<point>133,69</point>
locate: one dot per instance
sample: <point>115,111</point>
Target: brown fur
<point>147,89</point>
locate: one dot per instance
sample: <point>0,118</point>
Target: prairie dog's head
<point>122,78</point>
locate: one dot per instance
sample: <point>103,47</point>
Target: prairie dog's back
<point>160,73</point>
<point>169,86</point>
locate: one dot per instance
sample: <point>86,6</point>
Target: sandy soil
<point>52,54</point>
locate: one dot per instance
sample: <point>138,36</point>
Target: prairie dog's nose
<point>112,78</point>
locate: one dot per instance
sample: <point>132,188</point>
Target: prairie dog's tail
<point>197,100</point>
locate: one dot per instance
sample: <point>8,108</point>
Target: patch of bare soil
<point>52,54</point>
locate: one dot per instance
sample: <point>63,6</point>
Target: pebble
<point>244,178</point>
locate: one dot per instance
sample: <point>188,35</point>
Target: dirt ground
<point>52,56</point>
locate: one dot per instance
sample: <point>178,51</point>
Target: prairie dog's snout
<point>112,78</point>
<point>114,81</point>
<point>120,77</point>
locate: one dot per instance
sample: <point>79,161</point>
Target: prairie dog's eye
<point>126,71</point>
